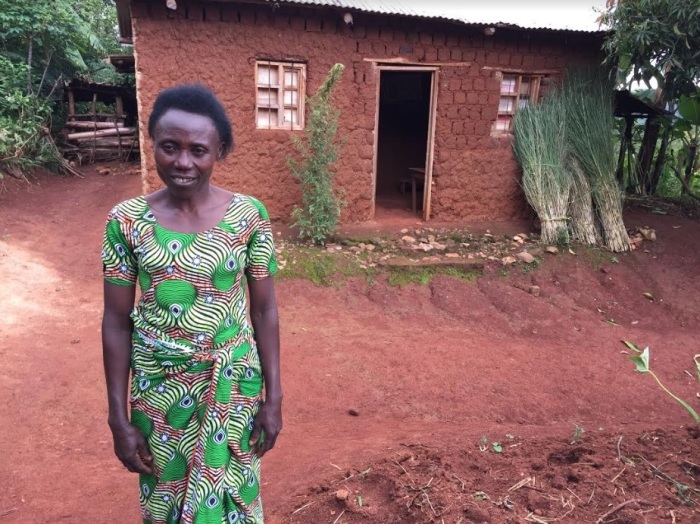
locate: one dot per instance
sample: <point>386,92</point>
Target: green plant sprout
<point>484,444</point>
<point>578,431</point>
<point>641,361</point>
<point>497,448</point>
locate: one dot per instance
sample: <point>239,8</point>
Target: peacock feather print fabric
<point>196,375</point>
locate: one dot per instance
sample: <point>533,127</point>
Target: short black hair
<point>196,99</point>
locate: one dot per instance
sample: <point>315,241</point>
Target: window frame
<point>279,105</point>
<point>534,95</point>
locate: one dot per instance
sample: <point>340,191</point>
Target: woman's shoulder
<point>129,209</point>
<point>248,205</point>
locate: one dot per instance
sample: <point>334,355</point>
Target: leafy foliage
<point>656,39</point>
<point>318,216</point>
<point>41,43</point>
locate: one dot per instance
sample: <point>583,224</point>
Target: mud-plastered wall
<point>474,177</point>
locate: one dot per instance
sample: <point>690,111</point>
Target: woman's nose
<point>183,160</point>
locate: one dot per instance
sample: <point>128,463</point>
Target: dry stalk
<point>591,497</point>
<point>524,482</point>
<point>339,516</point>
<point>302,507</point>
<point>407,474</point>
<point>455,476</point>
<point>618,508</point>
<point>618,475</point>
<point>531,517</point>
<point>574,494</point>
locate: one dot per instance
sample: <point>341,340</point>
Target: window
<point>517,91</point>
<point>280,92</point>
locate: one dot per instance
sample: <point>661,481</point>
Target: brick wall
<point>475,176</point>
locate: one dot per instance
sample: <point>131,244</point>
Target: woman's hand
<point>267,424</point>
<point>131,449</point>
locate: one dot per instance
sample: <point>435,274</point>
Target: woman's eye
<point>168,148</point>
<point>199,152</point>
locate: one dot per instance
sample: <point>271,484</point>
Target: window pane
<point>267,118</point>
<point>291,117</point>
<point>268,74</point>
<point>291,98</point>
<point>291,78</point>
<point>267,98</point>
<point>502,123</point>
<point>508,85</point>
<point>525,86</point>
<point>505,105</point>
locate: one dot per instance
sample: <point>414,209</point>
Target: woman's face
<point>186,146</point>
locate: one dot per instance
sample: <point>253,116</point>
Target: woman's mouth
<point>181,180</point>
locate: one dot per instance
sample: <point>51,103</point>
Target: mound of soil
<point>600,478</point>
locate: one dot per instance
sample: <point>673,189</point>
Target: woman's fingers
<point>133,452</point>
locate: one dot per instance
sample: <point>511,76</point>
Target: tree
<point>655,39</point>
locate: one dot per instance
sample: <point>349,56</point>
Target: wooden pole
<point>71,104</point>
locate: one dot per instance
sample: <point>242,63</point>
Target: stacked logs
<point>91,141</point>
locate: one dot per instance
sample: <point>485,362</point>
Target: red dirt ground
<point>428,370</point>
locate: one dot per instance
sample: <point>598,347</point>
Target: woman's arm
<point>129,444</point>
<point>263,314</point>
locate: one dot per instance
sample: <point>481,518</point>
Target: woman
<point>198,419</point>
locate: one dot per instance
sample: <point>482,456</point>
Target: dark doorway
<point>402,145</point>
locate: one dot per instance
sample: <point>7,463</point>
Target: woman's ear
<point>220,153</point>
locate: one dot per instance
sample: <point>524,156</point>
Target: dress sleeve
<point>118,262</point>
<point>261,257</point>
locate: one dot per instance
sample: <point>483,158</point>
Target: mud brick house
<point>424,99</point>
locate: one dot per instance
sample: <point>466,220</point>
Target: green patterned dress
<point>196,375</point>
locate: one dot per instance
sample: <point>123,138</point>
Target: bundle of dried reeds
<point>583,219</point>
<point>540,147</point>
<point>588,99</point>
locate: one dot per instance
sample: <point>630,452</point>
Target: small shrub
<point>318,216</point>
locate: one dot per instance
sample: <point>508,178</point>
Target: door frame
<point>432,114</point>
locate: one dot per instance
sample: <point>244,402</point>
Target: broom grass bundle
<point>588,98</point>
<point>583,220</point>
<point>540,148</point>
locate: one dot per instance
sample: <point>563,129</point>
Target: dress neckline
<point>157,224</point>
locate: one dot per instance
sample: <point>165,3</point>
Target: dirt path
<point>438,365</point>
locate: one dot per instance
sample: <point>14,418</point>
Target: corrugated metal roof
<point>565,15</point>
<point>569,15</point>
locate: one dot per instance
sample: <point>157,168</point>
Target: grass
<point>597,257</point>
<point>400,277</point>
<point>319,267</point>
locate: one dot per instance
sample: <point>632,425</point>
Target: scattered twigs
<point>531,517</point>
<point>682,490</point>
